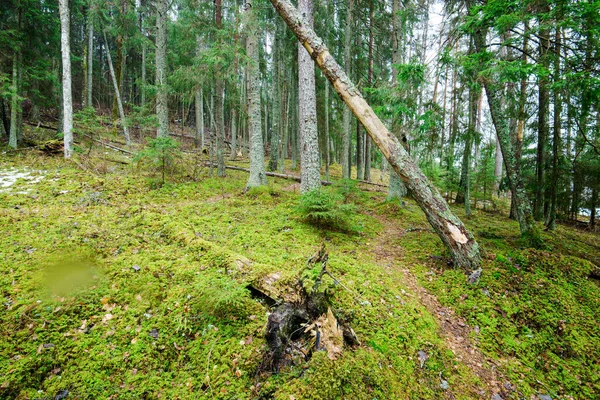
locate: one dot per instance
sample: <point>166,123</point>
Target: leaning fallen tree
<point>459,241</point>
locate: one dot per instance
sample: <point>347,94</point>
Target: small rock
<point>154,333</point>
<point>497,397</point>
<point>474,277</point>
<point>544,397</point>
<point>422,357</point>
<point>444,385</point>
<point>476,329</point>
<point>485,292</point>
<point>48,345</point>
<point>61,395</point>
<point>136,268</point>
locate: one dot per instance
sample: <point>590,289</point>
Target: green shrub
<point>348,189</point>
<point>326,210</point>
<point>161,152</point>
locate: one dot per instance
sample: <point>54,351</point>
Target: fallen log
<point>451,230</point>
<point>110,146</point>
<point>272,174</point>
<point>41,126</point>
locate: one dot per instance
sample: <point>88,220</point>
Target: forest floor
<point>116,286</point>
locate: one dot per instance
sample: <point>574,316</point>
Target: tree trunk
<point>117,93</point>
<point>367,176</point>
<point>14,104</point>
<point>543,129</point>
<point>397,190</point>
<point>143,86</point>
<point>162,107</point>
<point>219,103</point>
<point>459,241</point>
<point>556,141</point>
<point>90,61</point>
<point>307,111</point>
<point>199,108</point>
<point>513,171</point>
<point>258,175</point>
<point>346,138</point>
<point>277,114</point>
<point>66,77</point>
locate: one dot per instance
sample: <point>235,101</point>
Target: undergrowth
<point>153,302</point>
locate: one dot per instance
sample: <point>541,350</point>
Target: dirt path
<point>453,328</point>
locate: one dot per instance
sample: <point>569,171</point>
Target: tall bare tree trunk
<point>307,111</point>
<point>543,128</point>
<point>63,6</point>
<point>346,138</point>
<point>117,92</point>
<point>501,123</point>
<point>219,102</point>
<point>367,176</point>
<point>162,107</point>
<point>258,176</point>
<point>556,145</point>
<point>90,60</point>
<point>14,103</point>
<point>396,190</point>
<point>459,241</point>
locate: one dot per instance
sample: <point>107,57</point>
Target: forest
<point>300,199</point>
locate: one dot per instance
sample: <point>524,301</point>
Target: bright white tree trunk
<point>63,6</point>
<point>258,176</point>
<point>309,138</point>
<point>162,111</point>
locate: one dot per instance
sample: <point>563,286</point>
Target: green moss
<point>183,325</point>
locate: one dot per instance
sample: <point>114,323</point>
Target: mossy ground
<point>77,316</point>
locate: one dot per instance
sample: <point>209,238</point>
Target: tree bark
<point>556,141</point>
<point>219,102</point>
<point>14,104</point>
<point>307,111</point>
<point>459,241</point>
<point>66,77</point>
<point>277,114</point>
<point>90,60</point>
<point>346,138</point>
<point>543,128</point>
<point>162,107</point>
<point>527,224</point>
<point>117,93</point>
<point>397,190</point>
<point>258,175</point>
<point>367,175</point>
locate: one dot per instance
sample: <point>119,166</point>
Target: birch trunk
<point>67,97</point>
<point>117,92</point>
<point>162,110</point>
<point>459,241</point>
<point>258,175</point>
<point>307,111</point>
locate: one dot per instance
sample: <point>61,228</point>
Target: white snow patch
<point>10,176</point>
